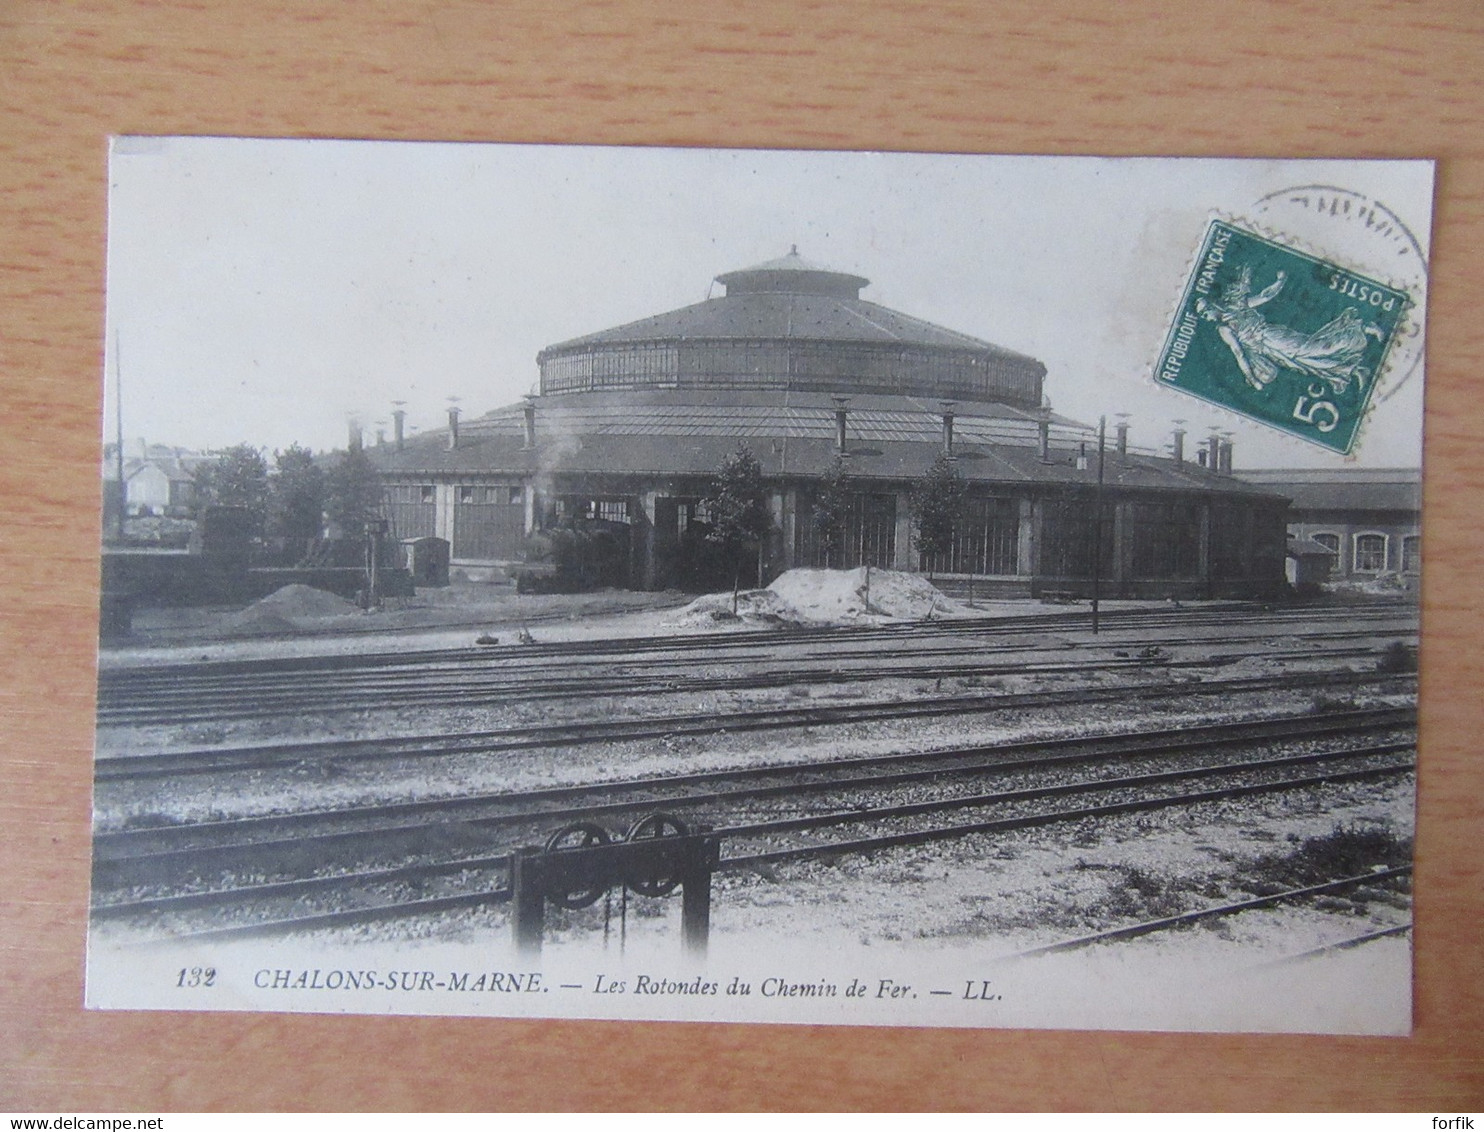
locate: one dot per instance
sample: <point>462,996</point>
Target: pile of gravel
<point>305,601</point>
<point>285,610</point>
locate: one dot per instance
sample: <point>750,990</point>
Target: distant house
<point>1369,520</point>
<point>159,480</point>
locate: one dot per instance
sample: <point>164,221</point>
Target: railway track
<point>1235,907</point>
<point>1403,612</point>
<point>216,760</point>
<point>384,861</point>
<point>805,647</point>
<point>1344,944</point>
<point>638,651</point>
<point>379,679</point>
<point>242,697</point>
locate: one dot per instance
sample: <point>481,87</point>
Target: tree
<point>738,508</point>
<point>296,495</point>
<point>238,477</point>
<point>832,512</point>
<point>937,505</point>
<point>353,492</point>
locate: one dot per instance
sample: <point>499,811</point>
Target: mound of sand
<point>255,621</point>
<point>304,601</point>
<point>284,612</point>
<point>825,597</point>
<point>843,596</point>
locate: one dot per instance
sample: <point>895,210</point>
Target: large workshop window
<point>986,540</point>
<point>1331,542</point>
<point>1411,554</point>
<point>1232,546</point>
<point>489,523</point>
<point>611,510</point>
<point>1370,553</point>
<point>868,534</point>
<point>1067,538</point>
<point>410,509</point>
<point>689,512</point>
<point>1165,540</point>
<point>570,510</point>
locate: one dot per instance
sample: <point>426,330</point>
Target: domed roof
<point>788,298</point>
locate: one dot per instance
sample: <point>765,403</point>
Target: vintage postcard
<point>854,588</point>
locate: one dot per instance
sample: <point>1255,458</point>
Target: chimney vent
<point>453,427</point>
<point>1179,446</point>
<point>948,429</point>
<point>1044,429</point>
<point>399,417</point>
<point>1121,431</point>
<point>841,415</point>
<point>353,440</point>
<point>1213,453</point>
<point>1225,466</point>
<point>530,411</point>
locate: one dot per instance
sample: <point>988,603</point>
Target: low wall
<point>135,580</point>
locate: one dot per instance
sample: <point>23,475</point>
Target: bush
<point>1397,657</point>
<point>1344,851</point>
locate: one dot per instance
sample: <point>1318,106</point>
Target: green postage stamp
<point>1280,336</point>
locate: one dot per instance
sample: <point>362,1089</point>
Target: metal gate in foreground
<point>582,862</point>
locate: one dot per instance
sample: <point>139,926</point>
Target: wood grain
<point>1282,79</point>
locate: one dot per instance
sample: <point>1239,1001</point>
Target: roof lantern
<point>793,274</point>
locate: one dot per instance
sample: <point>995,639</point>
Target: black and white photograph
<point>759,586</point>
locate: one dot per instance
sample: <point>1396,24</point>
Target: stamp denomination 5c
<point>1281,336</point>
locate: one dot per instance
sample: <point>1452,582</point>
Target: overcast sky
<point>262,291</point>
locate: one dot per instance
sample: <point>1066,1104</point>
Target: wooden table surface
<point>1360,79</point>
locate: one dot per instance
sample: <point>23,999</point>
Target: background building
<point>1368,519</point>
<point>159,480</point>
<point>618,451</point>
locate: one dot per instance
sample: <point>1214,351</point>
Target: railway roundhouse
<point>622,443</point>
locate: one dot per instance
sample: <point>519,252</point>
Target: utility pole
<point>1097,523</point>
<point>118,416</point>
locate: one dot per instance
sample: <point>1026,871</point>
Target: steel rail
<point>1340,945</point>
<point>471,693</point>
<point>374,677</point>
<point>1035,793</point>
<point>791,825</point>
<point>1000,825</point>
<point>249,698</point>
<point>831,774</point>
<point>686,803</point>
<point>1215,912</point>
<point>299,886</point>
<point>403,909</point>
<point>1027,623</point>
<point>120,767</point>
<point>641,651</point>
<point>345,917</point>
<point>609,646</point>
